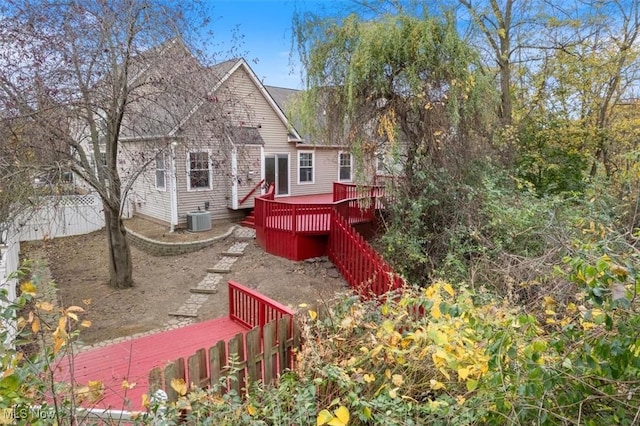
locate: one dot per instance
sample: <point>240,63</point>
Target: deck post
<point>232,303</point>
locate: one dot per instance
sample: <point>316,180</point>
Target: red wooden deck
<point>132,360</point>
<point>298,227</point>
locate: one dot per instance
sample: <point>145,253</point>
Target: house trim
<point>234,177</point>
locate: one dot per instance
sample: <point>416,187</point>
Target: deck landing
<point>132,360</point>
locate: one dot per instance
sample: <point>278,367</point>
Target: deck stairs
<point>250,220</point>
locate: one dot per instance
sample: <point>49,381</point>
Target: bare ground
<point>78,267</point>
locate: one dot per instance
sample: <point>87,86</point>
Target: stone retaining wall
<point>161,248</point>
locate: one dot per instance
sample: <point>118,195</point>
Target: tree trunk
<point>120,265</point>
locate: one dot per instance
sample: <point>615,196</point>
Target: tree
<point>78,61</point>
<point>407,84</point>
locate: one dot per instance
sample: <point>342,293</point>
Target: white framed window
<point>306,166</point>
<point>199,173</point>
<point>160,172</point>
<point>345,166</point>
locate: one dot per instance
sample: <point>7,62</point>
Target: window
<point>160,171</point>
<point>305,167</point>
<point>381,166</point>
<point>199,170</point>
<point>344,166</point>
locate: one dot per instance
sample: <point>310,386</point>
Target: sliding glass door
<point>276,171</point>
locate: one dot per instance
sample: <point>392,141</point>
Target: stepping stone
<point>223,266</point>
<point>183,314</point>
<point>237,249</point>
<point>203,290</point>
<point>244,232</point>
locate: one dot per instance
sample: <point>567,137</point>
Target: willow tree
<point>405,83</point>
<point>68,72</point>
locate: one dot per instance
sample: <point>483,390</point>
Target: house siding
<point>143,197</point>
<point>325,171</point>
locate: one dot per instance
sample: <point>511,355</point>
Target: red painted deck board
<point>132,360</point>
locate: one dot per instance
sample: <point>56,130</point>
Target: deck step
<point>249,221</point>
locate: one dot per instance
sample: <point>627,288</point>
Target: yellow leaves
<point>92,392</point>
<point>28,288</point>
<point>146,402</point>
<point>126,385</point>
<point>313,315</point>
<point>447,287</point>
<point>397,380</point>
<point>252,410</point>
<point>45,306</point>
<point>388,326</point>
<point>463,373</point>
<point>340,417</point>
<point>60,335</point>
<point>85,323</point>
<point>436,385</point>
<point>369,378</point>
<point>179,386</point>
<point>35,326</point>
<point>435,311</point>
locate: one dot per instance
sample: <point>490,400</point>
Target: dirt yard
<point>79,268</point>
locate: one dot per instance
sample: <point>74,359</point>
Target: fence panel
<point>9,264</point>
<point>61,217</point>
<point>243,360</point>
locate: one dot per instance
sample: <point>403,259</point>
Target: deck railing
<point>253,309</point>
<point>250,193</point>
<point>346,191</point>
<point>362,267</point>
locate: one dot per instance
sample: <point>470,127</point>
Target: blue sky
<point>265,27</point>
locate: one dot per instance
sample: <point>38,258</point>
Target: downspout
<point>173,187</point>
<point>234,177</point>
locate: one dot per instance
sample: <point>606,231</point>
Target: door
<point>276,171</point>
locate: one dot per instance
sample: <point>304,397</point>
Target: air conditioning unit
<point>199,221</point>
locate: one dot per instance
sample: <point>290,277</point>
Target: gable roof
<point>220,74</point>
<point>177,85</point>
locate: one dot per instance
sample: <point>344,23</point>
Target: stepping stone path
<point>186,313</point>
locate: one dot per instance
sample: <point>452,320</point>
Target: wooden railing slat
<point>174,370</point>
<point>270,365</point>
<point>253,356</point>
<point>217,364</point>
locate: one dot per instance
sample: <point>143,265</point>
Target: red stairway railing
<point>253,309</point>
<point>254,189</point>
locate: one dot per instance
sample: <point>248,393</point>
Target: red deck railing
<point>252,309</point>
<point>362,267</point>
<point>293,231</point>
<point>254,189</point>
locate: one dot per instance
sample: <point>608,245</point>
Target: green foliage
<point>442,355</point>
<point>35,335</point>
<point>549,157</point>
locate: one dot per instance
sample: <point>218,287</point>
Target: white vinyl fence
<point>9,262</point>
<point>56,217</point>
<point>61,217</point>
